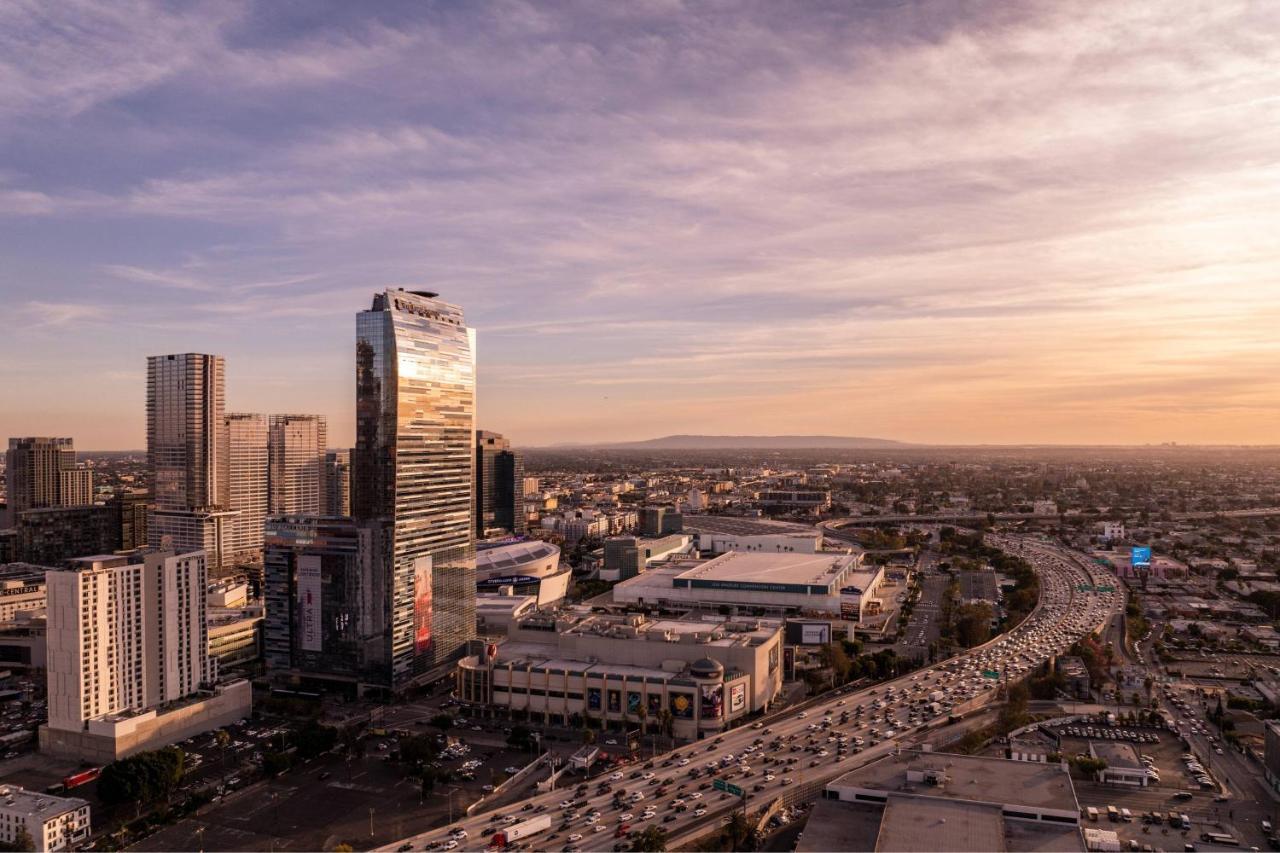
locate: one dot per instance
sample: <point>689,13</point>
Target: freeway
<point>842,731</point>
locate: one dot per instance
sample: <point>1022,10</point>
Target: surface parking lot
<point>1176,791</point>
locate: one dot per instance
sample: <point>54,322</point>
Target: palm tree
<point>738,829</point>
<point>642,714</point>
<point>666,721</point>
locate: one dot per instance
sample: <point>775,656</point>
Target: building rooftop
<point>513,555</point>
<point>969,778</point>
<point>14,798</point>
<point>733,526</point>
<point>1119,755</point>
<point>834,825</point>
<point>822,569</point>
<point>920,825</point>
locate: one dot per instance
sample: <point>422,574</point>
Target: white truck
<point>503,838</point>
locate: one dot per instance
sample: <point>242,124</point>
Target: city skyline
<point>936,224</point>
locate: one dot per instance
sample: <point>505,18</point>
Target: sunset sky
<point>944,222</point>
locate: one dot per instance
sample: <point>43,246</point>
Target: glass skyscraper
<point>412,475</point>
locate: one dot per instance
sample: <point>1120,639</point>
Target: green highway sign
<point>991,673</point>
<point>1105,588</point>
<point>727,787</point>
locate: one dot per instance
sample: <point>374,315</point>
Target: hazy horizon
<point>942,223</point>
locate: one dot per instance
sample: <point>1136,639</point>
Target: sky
<point>939,222</point>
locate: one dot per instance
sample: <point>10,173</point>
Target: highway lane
<point>839,733</point>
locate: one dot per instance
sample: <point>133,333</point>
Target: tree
<point>973,624</point>
<point>141,778</point>
<point>834,657</point>
<point>1014,713</point>
<point>520,738</point>
<point>588,736</point>
<point>429,776</point>
<point>666,721</point>
<point>642,714</point>
<point>653,838</point>
<point>22,841</point>
<point>443,722</point>
<point>344,847</point>
<point>739,832</point>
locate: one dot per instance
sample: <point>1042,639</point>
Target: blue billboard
<point>1140,557</point>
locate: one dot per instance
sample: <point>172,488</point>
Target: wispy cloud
<point>934,208</point>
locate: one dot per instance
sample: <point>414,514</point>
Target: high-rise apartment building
<point>33,473</point>
<point>75,486</point>
<point>125,642</point>
<point>499,485</point>
<point>247,494</point>
<point>412,474</point>
<point>185,421</point>
<point>297,448</point>
<point>125,637</point>
<point>186,446</point>
<point>337,483</point>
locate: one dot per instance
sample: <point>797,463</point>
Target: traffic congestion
<point>691,787</point>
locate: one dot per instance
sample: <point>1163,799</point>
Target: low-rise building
<point>22,591</point>
<point>51,823</point>
<point>827,583</point>
<point>1075,675</point>
<point>1123,766</point>
<point>918,801</point>
<point>627,556</point>
<point>627,669</point>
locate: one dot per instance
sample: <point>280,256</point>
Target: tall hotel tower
<point>412,475</point>
<point>186,451</point>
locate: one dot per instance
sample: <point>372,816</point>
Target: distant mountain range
<point>754,442</point>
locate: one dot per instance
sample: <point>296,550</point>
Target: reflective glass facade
<point>412,474</point>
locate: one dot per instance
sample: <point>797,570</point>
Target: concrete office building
<point>627,556</point>
<point>719,534</point>
<point>561,666</point>
<point>186,446</point>
<point>810,500</point>
<point>825,584</point>
<point>52,823</point>
<point>499,486</point>
<point>413,476</point>
<point>914,800</point>
<point>660,520</point>
<point>337,483</point>
<point>128,657</point>
<point>297,453</point>
<point>246,460</point>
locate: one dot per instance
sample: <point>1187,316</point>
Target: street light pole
<point>371,821</point>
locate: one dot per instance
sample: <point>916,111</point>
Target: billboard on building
<point>850,603</point>
<point>633,702</point>
<point>1140,557</point>
<point>773,658</point>
<point>593,698</point>
<point>737,697</point>
<point>712,700</point>
<point>421,604</point>
<point>808,633</point>
<point>615,701</point>
<point>682,706</point>
<point>310,637</point>
<point>655,705</point>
